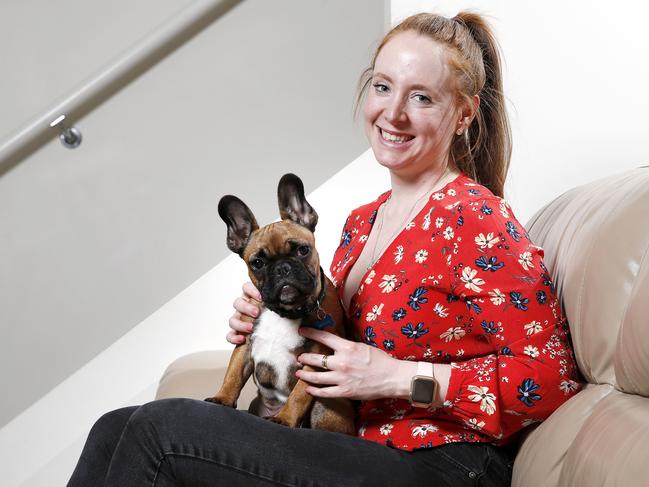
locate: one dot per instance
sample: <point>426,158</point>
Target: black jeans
<point>195,443</point>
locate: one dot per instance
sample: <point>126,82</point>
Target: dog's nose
<point>284,269</point>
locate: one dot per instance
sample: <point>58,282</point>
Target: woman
<point>439,281</point>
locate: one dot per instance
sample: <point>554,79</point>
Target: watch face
<point>423,390</point>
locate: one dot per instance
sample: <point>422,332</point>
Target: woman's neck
<point>406,190</point>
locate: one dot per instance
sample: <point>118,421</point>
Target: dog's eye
<point>257,264</point>
<point>303,250</point>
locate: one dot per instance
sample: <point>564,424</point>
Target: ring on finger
<point>324,362</point>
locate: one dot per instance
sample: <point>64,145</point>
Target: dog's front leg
<point>299,401</point>
<point>239,369</point>
<point>297,406</point>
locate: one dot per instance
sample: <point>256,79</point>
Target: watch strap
<point>426,369</point>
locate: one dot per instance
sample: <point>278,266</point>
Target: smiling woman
<point>409,123</point>
<point>461,69</point>
<point>453,351</point>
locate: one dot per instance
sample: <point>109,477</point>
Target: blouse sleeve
<point>520,367</point>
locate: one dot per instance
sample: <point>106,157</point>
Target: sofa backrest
<point>596,243</point>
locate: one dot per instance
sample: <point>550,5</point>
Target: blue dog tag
<point>325,322</point>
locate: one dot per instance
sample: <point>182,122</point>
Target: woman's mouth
<point>395,138</point>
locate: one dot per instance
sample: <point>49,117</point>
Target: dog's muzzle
<point>293,300</point>
<point>289,294</point>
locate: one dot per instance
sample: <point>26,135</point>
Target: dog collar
<point>322,324</point>
<point>323,289</point>
<point>323,320</point>
<point>310,309</point>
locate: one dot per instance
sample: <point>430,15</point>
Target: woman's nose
<point>395,111</point>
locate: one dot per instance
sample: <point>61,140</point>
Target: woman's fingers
<point>317,360</point>
<point>239,325</point>
<point>333,391</point>
<point>333,378</point>
<point>251,291</point>
<point>329,339</point>
<point>235,338</point>
<point>246,308</point>
<point>329,377</point>
<point>245,312</point>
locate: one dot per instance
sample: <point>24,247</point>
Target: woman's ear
<point>470,109</point>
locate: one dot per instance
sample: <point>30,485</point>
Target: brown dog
<point>284,265</point>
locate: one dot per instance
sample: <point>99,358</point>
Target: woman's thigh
<point>466,464</point>
<point>187,442</point>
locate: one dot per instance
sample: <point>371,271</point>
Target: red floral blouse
<point>462,284</point>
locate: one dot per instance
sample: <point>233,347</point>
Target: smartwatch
<point>423,386</point>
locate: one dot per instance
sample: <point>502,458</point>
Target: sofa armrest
<point>200,375</point>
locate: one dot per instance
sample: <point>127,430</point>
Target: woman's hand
<point>356,370</point>
<point>245,312</point>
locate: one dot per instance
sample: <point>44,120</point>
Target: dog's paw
<point>217,400</point>
<point>282,419</point>
<point>277,420</point>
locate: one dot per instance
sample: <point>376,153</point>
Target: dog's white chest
<point>274,342</point>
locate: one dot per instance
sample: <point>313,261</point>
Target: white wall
<point>576,77</point>
<point>93,240</point>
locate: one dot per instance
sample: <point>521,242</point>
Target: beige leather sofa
<point>596,241</point>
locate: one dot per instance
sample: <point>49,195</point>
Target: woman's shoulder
<point>484,213</point>
<point>366,210</point>
<point>470,190</point>
<point>471,194</point>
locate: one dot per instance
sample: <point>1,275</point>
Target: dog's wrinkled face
<point>284,265</point>
<point>281,257</point>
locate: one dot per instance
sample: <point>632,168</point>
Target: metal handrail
<point>92,93</point>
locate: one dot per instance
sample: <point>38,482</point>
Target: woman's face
<point>410,114</point>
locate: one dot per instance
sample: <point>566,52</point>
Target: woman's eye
<point>421,98</point>
<point>257,264</point>
<point>303,250</point>
<point>380,87</point>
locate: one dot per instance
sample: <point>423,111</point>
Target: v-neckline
<point>377,204</point>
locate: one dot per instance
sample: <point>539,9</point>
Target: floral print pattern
<point>461,284</point>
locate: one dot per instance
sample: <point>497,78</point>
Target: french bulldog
<point>284,265</point>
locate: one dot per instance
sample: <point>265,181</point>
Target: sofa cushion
<point>541,456</point>
<point>611,447</point>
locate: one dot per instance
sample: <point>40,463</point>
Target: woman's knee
<point>162,409</point>
<point>109,427</point>
<point>105,434</point>
<point>163,414</point>
<point>112,423</point>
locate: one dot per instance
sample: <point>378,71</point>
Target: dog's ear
<point>292,203</point>
<point>239,220</point>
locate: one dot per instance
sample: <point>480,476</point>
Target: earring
<point>459,131</point>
